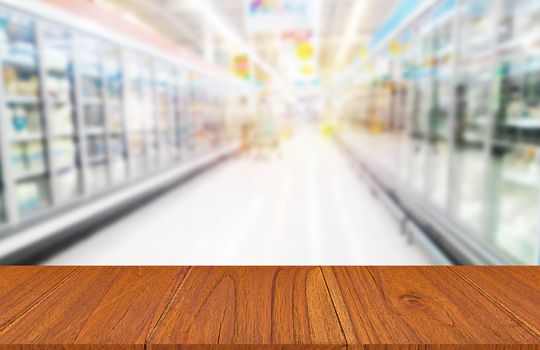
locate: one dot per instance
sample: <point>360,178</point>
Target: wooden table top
<point>267,307</point>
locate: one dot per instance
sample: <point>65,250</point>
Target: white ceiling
<point>180,20</point>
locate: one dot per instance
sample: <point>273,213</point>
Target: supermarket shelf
<point>525,123</point>
<point>28,175</point>
<point>113,102</point>
<point>92,101</point>
<point>18,245</point>
<point>22,100</point>
<point>66,168</point>
<point>522,179</point>
<point>491,115</point>
<point>116,132</point>
<point>68,96</point>
<point>58,102</point>
<point>28,137</point>
<point>56,71</point>
<point>64,134</point>
<point>20,65</point>
<point>407,224</point>
<point>92,161</point>
<point>95,131</point>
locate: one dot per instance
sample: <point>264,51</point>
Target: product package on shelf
<point>58,89</point>
<point>98,178</point>
<point>57,61</point>
<point>20,84</point>
<point>64,153</point>
<point>118,170</point>
<point>115,117</point>
<point>97,149</point>
<point>32,195</point>
<point>28,158</point>
<point>94,117</point>
<point>84,113</point>
<point>67,185</point>
<point>61,120</point>
<point>26,121</point>
<point>28,197</point>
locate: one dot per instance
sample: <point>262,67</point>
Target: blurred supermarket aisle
<point>303,206</point>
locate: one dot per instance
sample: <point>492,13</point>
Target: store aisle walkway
<point>305,206</point>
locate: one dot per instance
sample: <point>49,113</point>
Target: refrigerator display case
<point>23,107</point>
<point>421,99</point>
<point>115,125</point>
<point>90,78</point>
<point>2,186</point>
<point>193,134</point>
<point>181,105</point>
<point>412,152</point>
<point>87,113</point>
<point>214,125</point>
<point>441,42</point>
<point>474,113</point>
<point>147,81</point>
<point>59,106</point>
<point>165,112</point>
<point>400,96</point>
<point>472,110</point>
<point>515,183</point>
<point>177,111</point>
<point>135,109</point>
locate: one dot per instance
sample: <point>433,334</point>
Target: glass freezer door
<point>183,112</point>
<point>114,113</point>
<point>420,129</point>
<point>442,85</point>
<point>193,113</point>
<point>2,185</point>
<point>148,77</point>
<point>475,110</point>
<point>165,112</point>
<point>59,97</point>
<point>91,78</point>
<point>177,110</point>
<point>135,115</point>
<point>23,108</point>
<point>515,188</point>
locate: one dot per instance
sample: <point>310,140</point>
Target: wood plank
<point>270,306</point>
<point>419,306</point>
<point>22,288</point>
<point>115,307</point>
<point>517,289</point>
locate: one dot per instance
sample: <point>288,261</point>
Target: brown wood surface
<point>251,305</point>
<point>269,308</point>
<point>21,288</point>
<point>113,306</point>
<point>421,305</point>
<point>514,288</point>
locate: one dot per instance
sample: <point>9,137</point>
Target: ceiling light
<point>224,29</point>
<point>357,14</point>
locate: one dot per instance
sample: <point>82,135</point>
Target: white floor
<point>305,207</point>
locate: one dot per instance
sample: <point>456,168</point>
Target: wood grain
<point>251,306</point>
<point>419,306</point>
<point>111,306</point>
<point>267,308</point>
<point>22,288</point>
<point>516,289</point>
